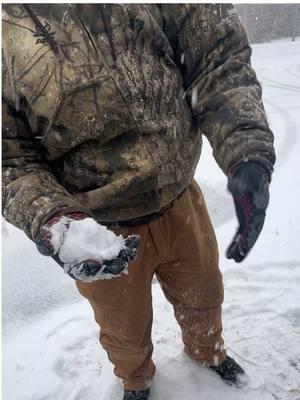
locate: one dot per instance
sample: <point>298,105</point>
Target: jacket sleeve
<point>30,193</point>
<point>212,50</point>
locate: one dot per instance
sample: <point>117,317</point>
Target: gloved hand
<point>59,238</point>
<point>249,185</point>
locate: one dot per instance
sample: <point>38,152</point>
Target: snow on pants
<point>180,249</point>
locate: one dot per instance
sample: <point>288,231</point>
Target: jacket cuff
<point>260,158</point>
<point>64,211</point>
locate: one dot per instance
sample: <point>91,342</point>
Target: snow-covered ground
<point>50,341</point>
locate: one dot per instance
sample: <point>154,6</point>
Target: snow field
<point>50,344</point>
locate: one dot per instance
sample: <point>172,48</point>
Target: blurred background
<point>266,22</point>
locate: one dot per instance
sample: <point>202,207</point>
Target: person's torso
<point>108,107</point>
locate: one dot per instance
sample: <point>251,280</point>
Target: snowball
<point>84,240</point>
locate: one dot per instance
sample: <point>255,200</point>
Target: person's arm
<point>212,50</point>
<point>34,201</point>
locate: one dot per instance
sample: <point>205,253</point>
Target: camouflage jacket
<point>104,106</point>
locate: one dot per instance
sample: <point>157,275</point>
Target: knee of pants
<point>196,293</point>
<point>123,351</point>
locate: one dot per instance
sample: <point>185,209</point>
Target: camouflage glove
<point>249,185</point>
<point>87,270</point>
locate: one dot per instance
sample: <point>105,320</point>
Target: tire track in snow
<point>280,85</point>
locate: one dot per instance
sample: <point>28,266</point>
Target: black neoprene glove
<point>88,269</point>
<point>249,185</point>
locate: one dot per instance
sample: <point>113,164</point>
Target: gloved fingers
<point>80,271</point>
<point>118,264</point>
<point>128,254</point>
<point>246,237</point>
<point>255,226</point>
<point>115,266</point>
<point>90,268</point>
<point>243,208</point>
<point>261,198</point>
<point>83,270</point>
<point>132,242</point>
<point>234,250</point>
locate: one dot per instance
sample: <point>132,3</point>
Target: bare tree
<point>295,22</point>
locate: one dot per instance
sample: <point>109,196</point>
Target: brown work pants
<point>180,249</point>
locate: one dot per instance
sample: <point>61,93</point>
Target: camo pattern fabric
<point>104,106</point>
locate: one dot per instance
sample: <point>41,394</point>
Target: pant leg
<point>123,310</point>
<point>191,279</point>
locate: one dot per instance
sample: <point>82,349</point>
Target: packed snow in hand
<point>84,240</point>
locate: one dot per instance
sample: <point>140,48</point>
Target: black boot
<point>136,394</point>
<point>230,371</point>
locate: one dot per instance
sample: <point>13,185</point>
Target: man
<point>103,115</point>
